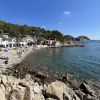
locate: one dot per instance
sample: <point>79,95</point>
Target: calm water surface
<point>83,63</point>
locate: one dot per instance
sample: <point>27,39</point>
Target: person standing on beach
<point>19,52</point>
<point>5,53</point>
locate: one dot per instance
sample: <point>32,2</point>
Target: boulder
<point>94,86</point>
<point>86,89</point>
<point>69,80</point>
<point>50,99</point>
<point>38,97</point>
<point>3,79</point>
<point>89,97</point>
<point>28,77</point>
<point>18,94</point>
<point>2,95</point>
<point>60,91</point>
<point>80,94</point>
<point>37,90</point>
<point>2,87</point>
<point>12,80</point>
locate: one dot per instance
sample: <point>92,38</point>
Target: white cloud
<point>67,13</point>
<point>60,23</point>
<point>44,27</point>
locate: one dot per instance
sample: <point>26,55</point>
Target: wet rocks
<point>86,89</point>
<point>70,81</point>
<point>80,94</point>
<point>90,93</point>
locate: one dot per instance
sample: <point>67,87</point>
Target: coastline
<point>14,57</point>
<point>44,87</point>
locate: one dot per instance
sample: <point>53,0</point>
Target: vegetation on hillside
<point>20,31</point>
<point>82,38</point>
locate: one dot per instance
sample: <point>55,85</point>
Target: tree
<point>1,31</point>
<point>82,38</point>
<point>68,38</point>
<point>56,35</point>
<point>20,31</point>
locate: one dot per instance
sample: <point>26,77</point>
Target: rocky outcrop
<point>12,88</point>
<point>82,38</point>
<point>2,94</point>
<point>91,93</point>
<point>19,89</point>
<point>60,91</point>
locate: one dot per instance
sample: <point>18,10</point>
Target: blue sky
<point>73,17</point>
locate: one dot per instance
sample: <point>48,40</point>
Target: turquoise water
<point>83,62</point>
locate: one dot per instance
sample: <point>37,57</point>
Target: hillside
<point>19,31</point>
<point>82,38</point>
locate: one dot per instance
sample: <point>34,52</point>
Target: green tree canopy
<point>20,31</point>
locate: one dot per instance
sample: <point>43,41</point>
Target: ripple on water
<point>83,63</point>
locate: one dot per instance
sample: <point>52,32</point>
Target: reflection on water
<point>83,63</point>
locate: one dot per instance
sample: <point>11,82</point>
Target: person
<point>19,52</point>
<point>6,60</point>
<point>5,51</point>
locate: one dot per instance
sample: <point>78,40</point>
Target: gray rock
<point>3,79</point>
<point>37,90</point>
<point>38,97</point>
<point>80,94</point>
<point>60,91</point>
<point>2,95</point>
<point>51,99</point>
<point>28,77</point>
<point>86,89</point>
<point>88,97</point>
<point>68,79</point>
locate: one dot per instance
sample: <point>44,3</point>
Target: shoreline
<point>13,58</point>
<point>82,91</point>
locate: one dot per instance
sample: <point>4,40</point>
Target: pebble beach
<point>13,57</point>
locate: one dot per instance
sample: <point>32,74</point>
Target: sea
<point>82,62</point>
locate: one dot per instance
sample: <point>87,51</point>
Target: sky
<point>71,17</point>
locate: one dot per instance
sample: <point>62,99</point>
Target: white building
<point>58,44</point>
<point>0,40</point>
<point>21,44</point>
<point>8,42</point>
<point>28,39</point>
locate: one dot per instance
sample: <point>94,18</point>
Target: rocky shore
<point>20,83</point>
<point>23,84</point>
<point>12,88</point>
